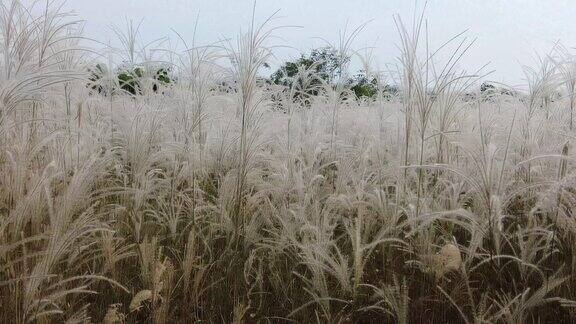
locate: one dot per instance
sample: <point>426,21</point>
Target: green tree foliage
<point>326,67</point>
<point>129,79</point>
<point>363,86</point>
<point>325,62</point>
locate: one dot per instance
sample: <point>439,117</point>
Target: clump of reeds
<point>205,199</point>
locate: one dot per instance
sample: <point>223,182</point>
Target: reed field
<point>147,183</point>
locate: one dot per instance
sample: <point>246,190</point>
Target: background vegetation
<point>165,186</point>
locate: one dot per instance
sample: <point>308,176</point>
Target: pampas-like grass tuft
<point>218,197</point>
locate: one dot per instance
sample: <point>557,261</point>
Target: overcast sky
<point>509,32</point>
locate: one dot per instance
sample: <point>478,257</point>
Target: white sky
<point>509,32</point>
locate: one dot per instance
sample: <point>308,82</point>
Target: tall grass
<point>220,198</point>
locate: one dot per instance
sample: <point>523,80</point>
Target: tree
<point>129,79</point>
<point>325,63</point>
<point>323,66</point>
<point>487,87</point>
<point>362,86</point>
